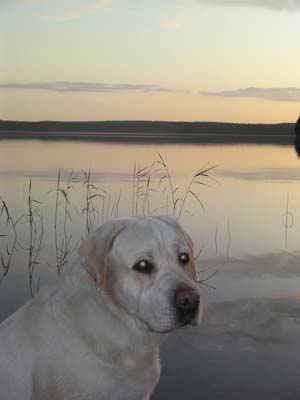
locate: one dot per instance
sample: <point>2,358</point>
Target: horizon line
<point>145,121</point>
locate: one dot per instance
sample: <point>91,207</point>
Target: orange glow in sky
<point>173,60</point>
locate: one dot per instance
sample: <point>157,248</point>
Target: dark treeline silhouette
<point>149,127</point>
<point>149,131</point>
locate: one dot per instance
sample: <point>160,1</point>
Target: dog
<point>95,334</point>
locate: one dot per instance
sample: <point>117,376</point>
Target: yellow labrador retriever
<point>95,334</point>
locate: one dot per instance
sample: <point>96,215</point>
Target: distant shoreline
<point>149,132</point>
<point>150,138</point>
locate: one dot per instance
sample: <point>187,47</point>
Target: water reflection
<point>247,345</point>
<point>230,217</point>
<point>280,175</point>
<point>245,349</point>
<point>76,203</point>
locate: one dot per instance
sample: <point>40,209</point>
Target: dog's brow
<point>144,253</point>
<point>157,234</point>
<point>160,236</point>
<point>180,246</point>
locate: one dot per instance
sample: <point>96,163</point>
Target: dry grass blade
<point>6,264</point>
<point>170,183</point>
<point>189,191</point>
<point>36,230</point>
<point>203,281</point>
<point>229,238</point>
<point>153,191</point>
<point>199,252</point>
<point>204,171</point>
<point>197,198</point>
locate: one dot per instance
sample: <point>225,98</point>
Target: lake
<point>242,213</point>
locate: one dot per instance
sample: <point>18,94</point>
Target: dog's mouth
<point>186,322</point>
<point>146,326</point>
<point>178,320</point>
<point>189,320</point>
<point>192,320</point>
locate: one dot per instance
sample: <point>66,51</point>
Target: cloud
<point>172,24</point>
<point>51,175</point>
<point>71,11</point>
<point>76,11</point>
<point>62,11</point>
<point>272,94</point>
<point>254,275</point>
<point>279,175</point>
<point>11,2</point>
<point>251,322</point>
<point>66,86</point>
<point>289,5</point>
<point>281,264</point>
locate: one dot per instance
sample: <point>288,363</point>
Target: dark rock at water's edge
<point>297,138</point>
<point>297,127</point>
<point>297,145</point>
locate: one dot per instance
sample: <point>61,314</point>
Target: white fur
<point>95,334</point>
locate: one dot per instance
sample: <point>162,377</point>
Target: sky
<point>192,60</point>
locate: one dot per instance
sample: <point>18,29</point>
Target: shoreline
<point>134,137</point>
<point>150,131</point>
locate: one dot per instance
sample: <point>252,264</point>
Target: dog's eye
<point>183,258</point>
<point>143,266</point>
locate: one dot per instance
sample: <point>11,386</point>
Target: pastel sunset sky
<point>192,60</point>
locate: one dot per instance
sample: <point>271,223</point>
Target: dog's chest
<point>95,379</point>
<point>135,373</point>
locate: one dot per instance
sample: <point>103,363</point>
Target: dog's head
<point>145,267</point>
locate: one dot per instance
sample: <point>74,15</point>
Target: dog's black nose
<point>186,302</point>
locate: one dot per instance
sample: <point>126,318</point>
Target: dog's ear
<point>96,248</point>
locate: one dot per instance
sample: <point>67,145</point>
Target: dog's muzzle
<point>187,301</point>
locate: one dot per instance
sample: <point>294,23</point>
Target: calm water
<point>247,225</point>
